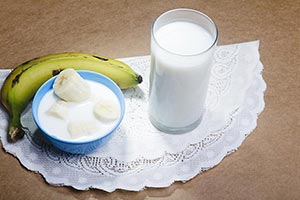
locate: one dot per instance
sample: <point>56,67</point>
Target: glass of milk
<point>182,47</point>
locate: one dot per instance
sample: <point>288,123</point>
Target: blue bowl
<point>74,146</point>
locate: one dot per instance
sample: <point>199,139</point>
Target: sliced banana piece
<point>70,86</point>
<point>81,128</point>
<point>58,109</point>
<point>107,110</point>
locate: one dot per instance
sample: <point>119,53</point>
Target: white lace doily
<point>138,155</point>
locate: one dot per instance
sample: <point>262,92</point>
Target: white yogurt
<point>180,71</point>
<point>82,111</point>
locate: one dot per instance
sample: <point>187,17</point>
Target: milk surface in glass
<point>181,58</point>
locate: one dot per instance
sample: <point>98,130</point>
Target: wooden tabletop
<point>266,166</point>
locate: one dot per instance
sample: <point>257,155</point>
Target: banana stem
<point>16,131</point>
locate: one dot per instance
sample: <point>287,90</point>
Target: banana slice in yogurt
<point>59,109</point>
<point>70,86</point>
<point>82,128</point>
<point>107,110</point>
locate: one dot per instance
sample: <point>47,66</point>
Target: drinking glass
<point>182,47</point>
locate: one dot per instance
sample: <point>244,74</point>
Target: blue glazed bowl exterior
<point>72,146</point>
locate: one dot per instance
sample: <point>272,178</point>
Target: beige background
<point>267,164</point>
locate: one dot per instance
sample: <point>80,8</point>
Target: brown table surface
<point>266,166</point>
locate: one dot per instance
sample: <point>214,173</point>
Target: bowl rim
<point>103,78</point>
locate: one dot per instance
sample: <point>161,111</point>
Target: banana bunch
<point>23,82</point>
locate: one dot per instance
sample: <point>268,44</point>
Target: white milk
<point>183,38</point>
<point>180,71</point>
<point>82,111</point>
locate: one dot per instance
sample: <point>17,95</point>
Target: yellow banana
<point>22,83</point>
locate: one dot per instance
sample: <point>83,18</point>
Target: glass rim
<point>215,39</point>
